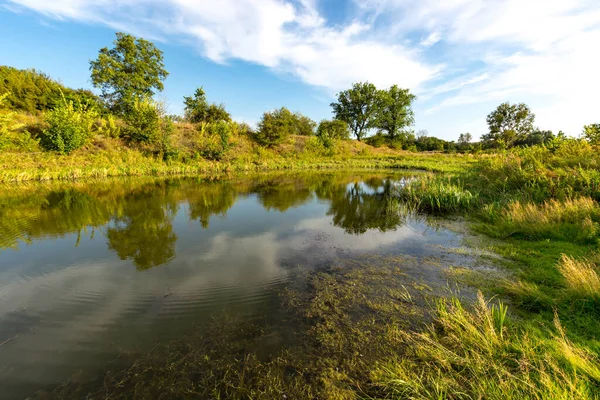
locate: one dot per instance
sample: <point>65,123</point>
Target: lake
<point>93,273</point>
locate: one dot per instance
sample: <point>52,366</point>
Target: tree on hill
<point>508,124</point>
<point>197,109</point>
<point>130,71</point>
<point>394,111</point>
<point>357,107</point>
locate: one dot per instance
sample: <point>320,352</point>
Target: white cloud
<point>542,52</point>
<point>272,33</point>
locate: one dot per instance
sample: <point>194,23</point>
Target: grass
<point>481,353</point>
<point>581,277</point>
<point>105,156</point>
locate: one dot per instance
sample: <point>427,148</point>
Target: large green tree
<point>509,124</point>
<point>394,111</point>
<point>357,107</point>
<point>132,70</point>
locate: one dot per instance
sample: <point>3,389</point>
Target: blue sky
<point>461,57</point>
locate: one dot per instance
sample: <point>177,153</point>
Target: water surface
<point>91,270</point>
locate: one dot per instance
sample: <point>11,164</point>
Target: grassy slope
<point>105,157</point>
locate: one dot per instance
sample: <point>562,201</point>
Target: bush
<point>143,122</point>
<point>274,127</point>
<point>69,127</point>
<point>215,140</point>
<point>334,129</point>
<point>35,91</point>
<point>303,125</point>
<point>11,137</point>
<point>109,127</point>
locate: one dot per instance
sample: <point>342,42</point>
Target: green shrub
<point>334,129</point>
<point>274,127</point>
<point>109,127</point>
<point>69,127</point>
<point>214,141</point>
<point>143,122</point>
<point>12,137</point>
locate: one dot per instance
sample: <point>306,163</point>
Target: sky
<point>462,58</point>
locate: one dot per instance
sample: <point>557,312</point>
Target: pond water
<point>89,271</point>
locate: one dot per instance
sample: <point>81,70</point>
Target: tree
<point>132,70</point>
<point>394,111</point>
<point>508,124</point>
<point>464,139</point>
<point>357,107</point>
<point>197,109</point>
<point>303,125</point>
<point>274,127</point>
<point>592,133</point>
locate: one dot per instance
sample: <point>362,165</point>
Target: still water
<point>91,270</point>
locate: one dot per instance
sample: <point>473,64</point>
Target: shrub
<point>11,135</point>
<point>69,127</point>
<point>143,122</point>
<point>109,127</point>
<point>214,141</point>
<point>274,127</point>
<point>303,125</point>
<point>334,129</point>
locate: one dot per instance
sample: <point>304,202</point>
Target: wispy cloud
<point>453,53</point>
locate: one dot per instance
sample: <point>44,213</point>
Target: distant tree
<point>508,124</point>
<point>465,138</point>
<point>357,107</point>
<point>274,127</point>
<point>394,112</point>
<point>334,129</point>
<point>196,106</point>
<point>422,133</point>
<point>536,137</point>
<point>591,133</point>
<point>130,71</point>
<point>197,109</point>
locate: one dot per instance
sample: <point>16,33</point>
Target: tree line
<point>130,73</point>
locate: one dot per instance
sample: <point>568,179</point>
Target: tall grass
<point>439,196</point>
<point>581,277</point>
<point>575,220</point>
<point>483,354</point>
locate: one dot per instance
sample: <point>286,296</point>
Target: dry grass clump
<point>581,276</point>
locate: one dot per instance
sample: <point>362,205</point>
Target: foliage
<point>69,127</point>
<point>591,133</point>
<point>394,111</point>
<point>12,136</point>
<point>508,124</point>
<point>197,109</point>
<point>357,107</point>
<point>214,141</point>
<point>334,129</point>
<point>32,91</point>
<point>109,126</point>
<point>143,121</point>
<point>303,125</point>
<point>274,127</point>
<point>132,70</point>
